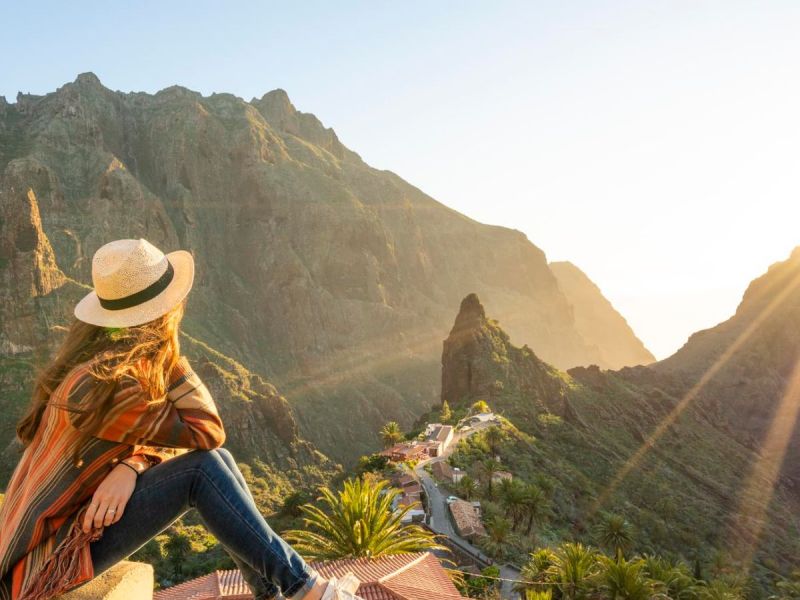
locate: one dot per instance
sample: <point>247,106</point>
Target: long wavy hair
<point>111,353</point>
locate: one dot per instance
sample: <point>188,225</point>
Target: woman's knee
<point>225,454</point>
<point>208,460</point>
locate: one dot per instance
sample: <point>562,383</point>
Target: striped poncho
<point>43,550</point>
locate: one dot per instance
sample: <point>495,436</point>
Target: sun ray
<point>356,363</point>
<point>363,360</point>
<point>707,376</point>
<point>759,487</point>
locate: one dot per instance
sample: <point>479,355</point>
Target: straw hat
<point>134,282</point>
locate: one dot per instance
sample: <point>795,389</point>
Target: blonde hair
<point>112,354</point>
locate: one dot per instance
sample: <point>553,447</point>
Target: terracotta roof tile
<point>442,470</point>
<point>413,576</point>
<point>202,588</point>
<point>467,520</point>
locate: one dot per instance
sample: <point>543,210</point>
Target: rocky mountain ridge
<point>330,279</point>
<point>749,361</point>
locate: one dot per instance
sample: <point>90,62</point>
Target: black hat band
<point>148,293</point>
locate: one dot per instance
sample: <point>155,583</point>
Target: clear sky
<point>654,144</point>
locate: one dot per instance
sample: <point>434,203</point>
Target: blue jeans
<point>209,481</point>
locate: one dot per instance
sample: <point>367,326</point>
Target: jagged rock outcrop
<point>480,363</point>
<point>28,270</point>
<point>329,278</point>
<point>598,322</point>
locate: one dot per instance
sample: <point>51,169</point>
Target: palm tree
<point>292,503</point>
<point>493,436</point>
<point>177,547</point>
<point>615,533</point>
<point>574,570</point>
<point>486,470</point>
<point>789,588</point>
<point>391,434</point>
<point>498,531</point>
<point>719,589</point>
<point>512,493</point>
<point>358,522</point>
<point>535,572</point>
<point>625,580</point>
<point>466,487</point>
<point>673,580</point>
<point>536,505</point>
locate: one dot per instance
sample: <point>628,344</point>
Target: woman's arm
<point>144,457</point>
<point>188,419</point>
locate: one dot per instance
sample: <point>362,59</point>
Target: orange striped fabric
<point>43,551</point>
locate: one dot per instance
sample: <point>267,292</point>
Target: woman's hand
<point>110,498</point>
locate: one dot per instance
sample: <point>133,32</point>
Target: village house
<point>412,489</point>
<point>401,479</point>
<point>405,451</point>
<point>412,576</point>
<point>467,519</point>
<point>439,439</point>
<point>410,495</point>
<point>429,429</point>
<point>443,472</point>
<point>413,501</point>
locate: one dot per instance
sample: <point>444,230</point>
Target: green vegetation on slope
<point>584,438</point>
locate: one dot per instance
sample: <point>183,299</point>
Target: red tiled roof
<point>466,518</point>
<point>409,500</point>
<point>202,588</point>
<point>442,470</point>
<point>403,480</point>
<point>405,449</point>
<point>414,488</point>
<point>413,576</point>
<point>232,585</point>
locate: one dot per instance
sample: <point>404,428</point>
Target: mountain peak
<point>478,353</point>
<point>279,112</point>
<point>88,79</point>
<point>277,109</point>
<point>471,315</point>
<point>471,308</point>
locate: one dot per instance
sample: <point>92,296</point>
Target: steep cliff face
<point>598,322</point>
<point>625,441</point>
<point>36,300</point>
<point>330,278</point>
<point>747,362</point>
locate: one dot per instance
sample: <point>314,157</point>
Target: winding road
<point>439,518</point>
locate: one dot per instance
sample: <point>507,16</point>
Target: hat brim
<point>89,309</point>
